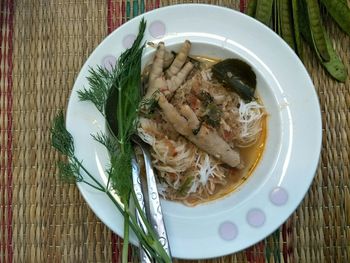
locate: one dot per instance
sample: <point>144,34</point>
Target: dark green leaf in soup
<point>237,75</point>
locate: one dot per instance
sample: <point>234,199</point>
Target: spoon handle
<point>154,205</point>
<point>144,257</point>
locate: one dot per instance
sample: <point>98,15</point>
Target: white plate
<point>287,168</point>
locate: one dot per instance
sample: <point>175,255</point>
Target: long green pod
<point>251,8</point>
<point>264,11</point>
<point>296,27</point>
<point>277,16</point>
<point>286,23</point>
<point>340,12</point>
<point>317,34</point>
<point>334,66</point>
<point>304,22</point>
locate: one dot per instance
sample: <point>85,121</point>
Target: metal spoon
<point>136,179</point>
<point>153,206</point>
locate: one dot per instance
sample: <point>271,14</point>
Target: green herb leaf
<point>68,172</point>
<point>148,105</point>
<point>205,98</point>
<point>236,75</point>
<point>107,141</point>
<point>185,186</point>
<point>212,115</point>
<point>100,82</point>
<point>120,173</point>
<point>61,139</point>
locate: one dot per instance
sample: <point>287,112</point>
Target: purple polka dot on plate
<point>279,196</point>
<point>129,40</point>
<point>109,62</point>
<point>256,217</point>
<point>228,230</point>
<point>157,29</point>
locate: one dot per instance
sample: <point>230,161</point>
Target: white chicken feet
<point>176,74</point>
<point>185,121</point>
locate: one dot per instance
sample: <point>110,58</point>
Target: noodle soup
<point>206,136</point>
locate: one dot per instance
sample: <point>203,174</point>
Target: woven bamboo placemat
<point>43,45</point>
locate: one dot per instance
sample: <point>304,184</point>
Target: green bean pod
<point>276,25</point>
<point>296,27</point>
<point>334,66</point>
<point>286,23</point>
<point>251,8</point>
<point>304,22</point>
<point>276,20</point>
<point>340,12</point>
<point>275,17</point>
<point>264,11</point>
<point>317,34</point>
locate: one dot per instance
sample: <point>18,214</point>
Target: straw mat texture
<point>43,44</point>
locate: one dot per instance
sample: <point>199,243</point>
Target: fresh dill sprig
<point>122,82</point>
<point>127,82</point>
<point>100,81</point>
<point>128,95</point>
<point>61,139</point>
<point>121,86</point>
<point>74,171</point>
<point>69,170</point>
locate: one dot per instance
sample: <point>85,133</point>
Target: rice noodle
<point>250,115</point>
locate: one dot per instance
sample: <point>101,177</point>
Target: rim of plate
<point>282,177</point>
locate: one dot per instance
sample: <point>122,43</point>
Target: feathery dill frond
<point>120,173</point>
<point>61,139</point>
<point>125,56</point>
<point>69,172</point>
<point>100,82</point>
<point>107,141</point>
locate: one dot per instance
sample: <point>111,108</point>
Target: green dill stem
<point>94,186</point>
<point>151,243</point>
<point>108,182</point>
<point>126,236</point>
<point>134,226</point>
<point>87,172</point>
<point>120,120</point>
